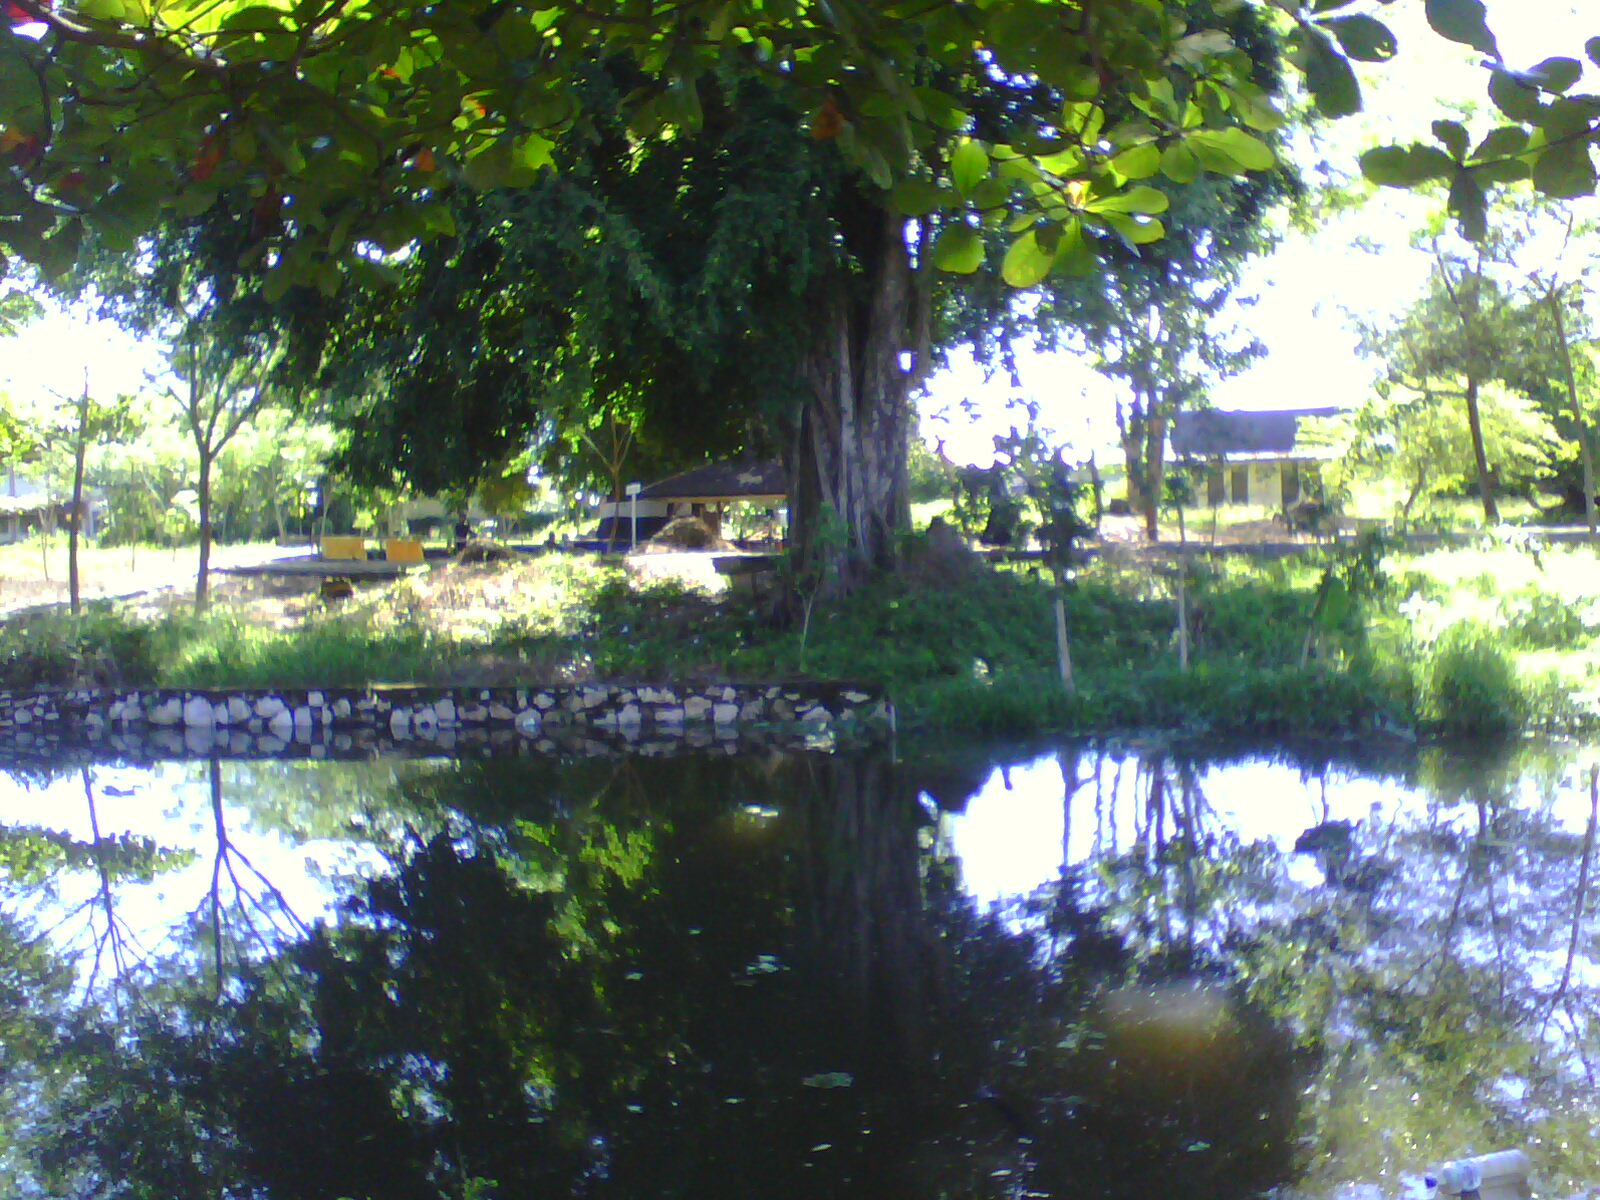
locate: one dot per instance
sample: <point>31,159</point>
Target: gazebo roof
<point>722,481</point>
<point>1216,433</point>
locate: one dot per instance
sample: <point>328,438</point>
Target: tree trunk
<point>1415,494</point>
<point>846,455</point>
<point>1130,432</point>
<point>1585,447</point>
<point>75,516</point>
<point>1155,437</point>
<point>1491,512</point>
<point>201,578</point>
<point>1063,646</point>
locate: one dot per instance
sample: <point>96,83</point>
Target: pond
<point>1116,969</point>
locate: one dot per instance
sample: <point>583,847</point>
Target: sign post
<point>633,490</point>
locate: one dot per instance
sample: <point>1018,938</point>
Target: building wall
<point>1262,484</point>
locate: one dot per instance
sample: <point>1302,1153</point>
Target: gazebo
<point>705,492</point>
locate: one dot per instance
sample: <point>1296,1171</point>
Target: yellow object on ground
<point>340,547</point>
<point>402,550</point>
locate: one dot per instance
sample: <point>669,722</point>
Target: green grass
<point>1478,642</point>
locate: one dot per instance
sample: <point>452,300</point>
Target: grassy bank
<point>1477,642</point>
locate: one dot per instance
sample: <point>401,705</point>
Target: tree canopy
<point>346,120</point>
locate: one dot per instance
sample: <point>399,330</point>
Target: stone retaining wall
<point>249,723</point>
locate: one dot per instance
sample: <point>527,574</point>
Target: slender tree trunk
<point>846,457</point>
<point>201,579</point>
<point>1491,511</point>
<point>1585,445</point>
<point>1130,432</point>
<point>1063,647</point>
<point>1415,494</point>
<point>1155,470</point>
<point>75,517</point>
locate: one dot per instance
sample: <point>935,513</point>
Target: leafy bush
<point>1470,686</point>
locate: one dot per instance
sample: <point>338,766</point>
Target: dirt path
<point>115,573</point>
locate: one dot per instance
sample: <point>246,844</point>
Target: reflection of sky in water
<point>1009,836</point>
<point>170,804</point>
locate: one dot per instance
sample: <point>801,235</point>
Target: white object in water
<point>1504,1175</point>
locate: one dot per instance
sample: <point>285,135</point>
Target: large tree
<point>346,125</point>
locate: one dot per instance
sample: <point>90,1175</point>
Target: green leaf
<point>1565,170</point>
<point>58,253</point>
<point>534,152</point>
<point>916,197</point>
<point>990,194</point>
<point>1513,97</point>
<point>1504,142</point>
<point>1134,231</point>
<point>1180,164</point>
<point>1362,37</point>
<point>1401,166</point>
<point>1073,255</point>
<point>1592,49</point>
<point>486,169</point>
<point>1026,261</point>
<point>969,165</point>
<point>1249,151</point>
<point>1463,21</point>
<point>1331,79</point>
<point>1453,135</point>
<point>1138,162</point>
<point>1144,200</point>
<point>275,284</point>
<point>958,249</point>
<point>1555,74</point>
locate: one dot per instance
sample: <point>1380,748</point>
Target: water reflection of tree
<point>719,978</point>
<point>1443,968</point>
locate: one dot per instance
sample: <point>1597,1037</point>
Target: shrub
<point>1470,686</point>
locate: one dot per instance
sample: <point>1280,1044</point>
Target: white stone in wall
<point>281,724</point>
<point>542,700</point>
<point>302,717</point>
<point>445,711</point>
<point>473,714</point>
<point>315,699</point>
<point>630,717</point>
<point>725,714</point>
<point>22,717</point>
<point>528,722</point>
<point>594,697</point>
<point>857,697</point>
<point>695,708</point>
<point>817,715</point>
<point>671,715</point>
<point>499,712</point>
<point>400,723</point>
<point>423,719</point>
<point>219,714</point>
<point>197,713</point>
<point>270,706</point>
<point>239,709</point>
<point>751,711</point>
<point>341,709</point>
<point>168,712</point>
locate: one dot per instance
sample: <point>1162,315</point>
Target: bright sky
<point>1304,288</point>
<point>1303,291</point>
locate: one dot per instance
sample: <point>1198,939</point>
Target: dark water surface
<point>1116,970</point>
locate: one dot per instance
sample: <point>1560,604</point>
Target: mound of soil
<point>684,533</point>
